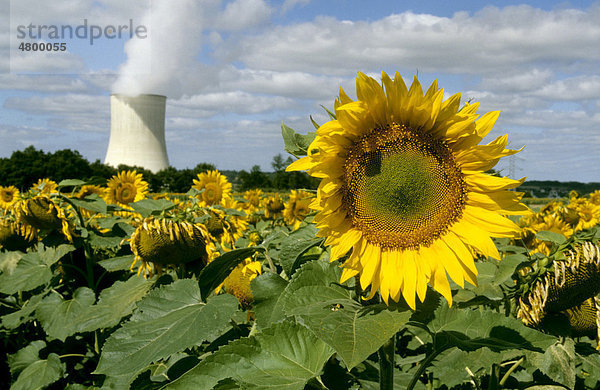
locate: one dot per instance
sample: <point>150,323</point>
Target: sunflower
<point>297,207</point>
<point>8,196</point>
<point>273,206</point>
<point>403,186</point>
<point>253,198</point>
<point>162,242</point>
<point>126,187</point>
<point>589,215</point>
<point>238,281</point>
<point>44,186</point>
<point>214,186</point>
<point>89,189</point>
<point>41,212</point>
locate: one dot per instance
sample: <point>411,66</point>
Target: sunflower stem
<point>386,364</point>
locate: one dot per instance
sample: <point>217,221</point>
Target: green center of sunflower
<point>403,188</point>
<point>126,193</point>
<point>212,193</point>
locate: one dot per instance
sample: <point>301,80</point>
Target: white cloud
<point>42,83</point>
<point>243,14</point>
<point>489,41</point>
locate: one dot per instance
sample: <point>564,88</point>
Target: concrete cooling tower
<point>137,132</point>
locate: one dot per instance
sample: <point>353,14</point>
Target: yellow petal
<point>490,221</point>
<point>475,237</point>
<point>410,272</point>
<point>370,262</point>
<point>301,164</point>
<point>441,284</point>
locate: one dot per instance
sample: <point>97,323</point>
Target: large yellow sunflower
<point>8,196</point>
<point>403,186</point>
<point>126,187</point>
<point>44,186</point>
<point>214,187</point>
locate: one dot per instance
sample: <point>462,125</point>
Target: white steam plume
<point>165,62</point>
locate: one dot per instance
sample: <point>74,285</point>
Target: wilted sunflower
<point>297,207</point>
<point>41,212</point>
<point>403,186</point>
<point>8,196</point>
<point>126,187</point>
<point>44,186</point>
<point>214,187</point>
<point>15,236</point>
<point>161,242</point>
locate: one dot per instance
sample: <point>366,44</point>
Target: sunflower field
<point>412,266</point>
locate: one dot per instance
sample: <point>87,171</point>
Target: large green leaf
<point>59,317</point>
<point>266,290</point>
<point>91,202</point>
<point>293,246</point>
<point>473,329</point>
<point>40,374</point>
<point>217,270</point>
<point>25,357</point>
<point>33,269</point>
<point>13,320</point>
<point>558,362</point>
<point>119,263</point>
<point>296,144</point>
<point>168,320</point>
<point>147,207</point>
<point>283,356</point>
<point>327,308</point>
<point>114,303</point>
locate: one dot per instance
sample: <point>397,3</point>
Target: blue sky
<point>234,70</point>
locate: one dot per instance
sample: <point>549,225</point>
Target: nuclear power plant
<point>137,132</point>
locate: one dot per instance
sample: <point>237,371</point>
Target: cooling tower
<point>137,132</point>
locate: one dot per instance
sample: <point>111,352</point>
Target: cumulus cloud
<point>488,41</point>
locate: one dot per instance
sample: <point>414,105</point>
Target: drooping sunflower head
<point>273,206</point>
<point>297,207</point>
<point>126,187</point>
<point>42,212</point>
<point>8,196</point>
<point>15,236</point>
<point>44,186</point>
<point>214,186</point>
<point>403,186</point>
<point>162,242</point>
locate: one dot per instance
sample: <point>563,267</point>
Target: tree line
<point>25,167</point>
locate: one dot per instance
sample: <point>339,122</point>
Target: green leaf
<point>9,261</point>
<point>217,270</point>
<point>25,357</point>
<point>283,356</point>
<point>59,316</point>
<point>13,320</point>
<point>507,266</point>
<point>353,330</point>
<point>553,237</point>
<point>266,290</point>
<point>473,329</point>
<point>33,269</point>
<point>168,320</point>
<point>40,374</point>
<point>71,183</point>
<point>119,263</point>
<point>558,362</point>
<point>114,303</point>
<point>297,243</point>
<point>147,207</point>
<point>296,144</point>
<point>100,241</point>
<point>91,202</point>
